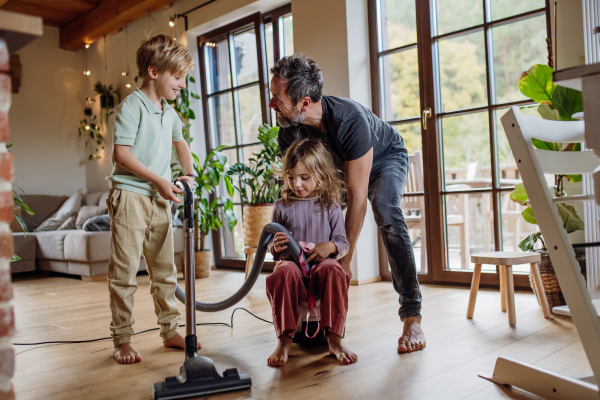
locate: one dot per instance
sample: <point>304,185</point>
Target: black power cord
<point>230,325</point>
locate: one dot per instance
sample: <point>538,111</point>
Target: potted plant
<point>90,132</point>
<point>258,185</point>
<point>18,207</point>
<point>556,103</point>
<point>107,99</point>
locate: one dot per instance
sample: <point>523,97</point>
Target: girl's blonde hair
<point>166,54</point>
<point>319,163</point>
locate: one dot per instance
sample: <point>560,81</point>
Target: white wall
<point>44,117</point>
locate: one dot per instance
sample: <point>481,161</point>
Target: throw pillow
<point>97,223</point>
<point>88,212</point>
<point>68,224</point>
<point>68,208</point>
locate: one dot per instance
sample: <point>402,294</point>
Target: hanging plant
<point>90,131</point>
<point>107,100</point>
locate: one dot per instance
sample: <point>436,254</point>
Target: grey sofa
<point>74,252</point>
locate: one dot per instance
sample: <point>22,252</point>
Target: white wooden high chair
<point>533,163</point>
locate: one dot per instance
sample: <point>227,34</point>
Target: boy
<point>141,188</point>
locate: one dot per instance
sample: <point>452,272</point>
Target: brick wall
<point>7,317</point>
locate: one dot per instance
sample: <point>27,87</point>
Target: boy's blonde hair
<point>320,166</point>
<point>166,54</point>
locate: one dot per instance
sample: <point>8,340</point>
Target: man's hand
<point>321,252</point>
<point>345,264</point>
<point>279,242</point>
<point>166,188</point>
<point>189,180</point>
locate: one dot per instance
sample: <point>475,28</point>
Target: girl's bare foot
<point>339,349</point>
<point>177,341</point>
<point>126,354</point>
<point>412,338</point>
<point>282,352</point>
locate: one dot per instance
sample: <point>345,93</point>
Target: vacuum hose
<point>265,237</point>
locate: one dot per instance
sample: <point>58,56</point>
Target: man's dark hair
<point>302,77</point>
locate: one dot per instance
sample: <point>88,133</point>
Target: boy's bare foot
<point>177,341</point>
<point>339,349</point>
<point>412,338</point>
<point>126,354</point>
<point>282,352</point>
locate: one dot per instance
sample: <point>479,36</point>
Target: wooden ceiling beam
<point>108,17</point>
<point>73,6</point>
<point>51,16</point>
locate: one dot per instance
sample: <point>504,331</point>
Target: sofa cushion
<point>87,246</point>
<point>51,245</point>
<point>103,198</point>
<point>25,246</point>
<point>88,212</point>
<point>69,207</point>
<point>43,207</point>
<point>68,224</point>
<point>91,199</point>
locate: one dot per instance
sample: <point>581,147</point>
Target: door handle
<point>426,114</point>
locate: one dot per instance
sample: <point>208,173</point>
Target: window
<point>460,59</point>
<point>234,62</point>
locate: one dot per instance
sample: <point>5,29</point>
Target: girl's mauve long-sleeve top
<point>307,222</point>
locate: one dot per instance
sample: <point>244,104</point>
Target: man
<point>374,161</point>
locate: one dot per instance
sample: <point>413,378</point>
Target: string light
<point>86,72</point>
<point>128,85</point>
<point>211,44</point>
<point>87,45</point>
<point>87,127</point>
<point>172,21</point>
<point>124,73</point>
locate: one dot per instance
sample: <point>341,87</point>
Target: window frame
<point>430,97</point>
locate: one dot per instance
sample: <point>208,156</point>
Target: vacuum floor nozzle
<point>199,377</point>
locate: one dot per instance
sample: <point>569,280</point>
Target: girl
<point>309,208</point>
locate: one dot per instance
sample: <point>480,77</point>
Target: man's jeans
<point>386,187</point>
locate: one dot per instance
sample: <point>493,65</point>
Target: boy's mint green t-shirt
<point>139,123</point>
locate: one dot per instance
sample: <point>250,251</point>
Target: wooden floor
<point>60,308</point>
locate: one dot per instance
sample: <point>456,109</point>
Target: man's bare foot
<point>412,338</point>
<point>339,349</point>
<point>177,341</point>
<point>126,354</point>
<point>282,352</point>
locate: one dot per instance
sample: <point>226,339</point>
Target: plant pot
<point>202,261</point>
<point>107,101</point>
<point>256,216</point>
<point>552,289</point>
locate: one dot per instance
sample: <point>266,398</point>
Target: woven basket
<point>551,287</point>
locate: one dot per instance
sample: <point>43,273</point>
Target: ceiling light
<point>172,21</point>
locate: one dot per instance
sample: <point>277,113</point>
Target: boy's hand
<point>279,242</point>
<point>189,180</point>
<point>166,188</point>
<point>321,252</point>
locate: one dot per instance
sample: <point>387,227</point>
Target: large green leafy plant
<point>18,204</point>
<point>256,180</point>
<point>557,103</point>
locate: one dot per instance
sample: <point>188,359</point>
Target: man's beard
<point>294,119</point>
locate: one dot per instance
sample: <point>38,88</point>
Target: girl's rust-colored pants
<point>328,282</point>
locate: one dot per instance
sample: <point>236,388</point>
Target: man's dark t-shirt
<point>351,131</point>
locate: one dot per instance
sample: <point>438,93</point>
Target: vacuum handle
<point>188,200</point>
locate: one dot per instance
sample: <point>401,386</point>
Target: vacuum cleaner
<point>198,375</point>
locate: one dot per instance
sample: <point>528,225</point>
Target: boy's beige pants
<point>140,225</point>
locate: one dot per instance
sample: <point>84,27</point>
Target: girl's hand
<point>321,252</point>
<point>279,242</point>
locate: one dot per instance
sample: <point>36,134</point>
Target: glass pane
<point>413,208</point>
<point>517,47</point>
<point>469,227</point>
<point>400,85</point>
<point>453,15</point>
<point>220,109</point>
<point>398,23</point>
<point>232,244</point>
<point>222,190</point>
<point>466,151</point>
<point>218,75</point>
<point>411,133</point>
<point>462,72</point>
<point>507,8</point>
<point>288,35</point>
<point>269,47</point>
<point>248,152</point>
<point>250,113</point>
<point>246,58</point>
<point>515,228</point>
